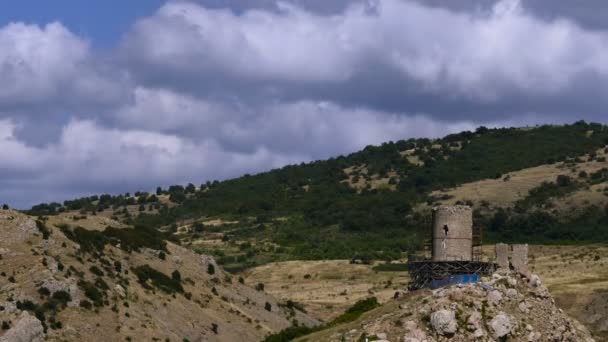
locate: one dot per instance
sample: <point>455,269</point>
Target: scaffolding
<point>423,271</point>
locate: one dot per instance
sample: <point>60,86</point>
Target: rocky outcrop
<point>505,307</point>
<point>27,329</point>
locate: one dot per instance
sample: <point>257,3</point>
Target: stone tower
<point>452,233</point>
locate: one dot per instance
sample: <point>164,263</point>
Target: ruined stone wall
<point>452,233</point>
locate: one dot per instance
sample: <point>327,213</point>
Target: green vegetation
<point>46,232</point>
<point>158,279</point>
<point>323,217</point>
<point>128,239</point>
<point>390,267</point>
<point>349,315</point>
<point>49,309</point>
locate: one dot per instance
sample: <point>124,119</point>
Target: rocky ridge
<point>504,307</point>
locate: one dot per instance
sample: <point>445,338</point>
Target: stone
<point>533,336</point>
<point>27,329</point>
<point>381,336</point>
<point>502,255</point>
<point>444,322</point>
<point>494,297</point>
<point>512,293</point>
<point>501,325</point>
<point>535,281</point>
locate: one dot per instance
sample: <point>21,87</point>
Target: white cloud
<point>478,55</point>
<point>50,66</point>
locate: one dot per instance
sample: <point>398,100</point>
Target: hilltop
<point>63,281</point>
<point>506,307</point>
<point>374,203</point>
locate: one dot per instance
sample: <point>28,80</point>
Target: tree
<point>190,188</point>
<point>159,191</point>
<point>5,206</point>
<point>176,276</point>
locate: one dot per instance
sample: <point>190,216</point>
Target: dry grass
<point>326,288</point>
<point>504,192</point>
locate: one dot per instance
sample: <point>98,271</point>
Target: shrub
<point>158,279</point>
<point>91,292</point>
<point>62,297</point>
<point>43,291</point>
<point>43,229</point>
<point>86,304</point>
<point>176,276</point>
<point>259,286</point>
<point>210,269</point>
<point>268,306</point>
<point>96,271</point>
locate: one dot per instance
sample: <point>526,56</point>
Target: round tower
<point>452,233</point>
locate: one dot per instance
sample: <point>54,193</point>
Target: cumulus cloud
<point>478,55</point>
<point>92,158</point>
<point>42,67</point>
<point>198,91</point>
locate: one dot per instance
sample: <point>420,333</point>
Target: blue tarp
<point>454,279</point>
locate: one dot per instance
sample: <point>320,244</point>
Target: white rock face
<point>27,329</point>
<point>501,325</point>
<point>444,322</point>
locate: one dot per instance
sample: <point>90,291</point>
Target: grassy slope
<point>311,211</point>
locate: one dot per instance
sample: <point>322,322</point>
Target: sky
<point>118,96</point>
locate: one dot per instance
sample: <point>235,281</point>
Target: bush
<point>211,269</point>
<point>86,304</point>
<point>158,279</point>
<point>268,306</point>
<point>90,291</point>
<point>46,233</point>
<point>43,291</point>
<point>96,271</point>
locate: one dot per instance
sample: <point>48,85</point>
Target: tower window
<point>446,229</point>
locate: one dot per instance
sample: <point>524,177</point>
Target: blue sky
<point>103,22</point>
<point>118,96</point>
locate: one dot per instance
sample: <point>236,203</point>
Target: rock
<point>27,329</point>
<point>512,293</point>
<point>444,322</point>
<point>523,307</point>
<point>501,325</point>
<point>413,333</point>
<point>512,281</point>
<point>535,281</point>
<point>494,297</point>
<point>120,290</point>
<point>381,336</point>
<point>533,336</point>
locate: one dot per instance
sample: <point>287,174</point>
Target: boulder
<point>444,322</point>
<point>494,297</point>
<point>501,325</point>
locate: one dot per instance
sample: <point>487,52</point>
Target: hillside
<point>373,202</point>
<point>60,281</point>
